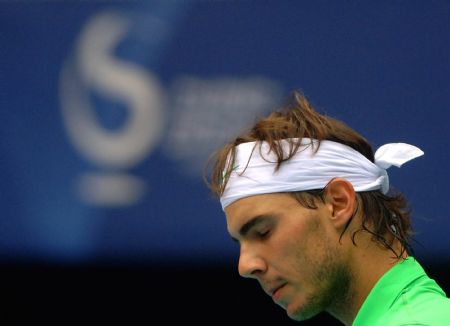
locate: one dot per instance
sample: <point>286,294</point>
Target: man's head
<point>301,191</point>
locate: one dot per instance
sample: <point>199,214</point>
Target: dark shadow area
<point>143,295</point>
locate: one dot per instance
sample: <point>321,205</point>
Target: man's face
<point>293,252</point>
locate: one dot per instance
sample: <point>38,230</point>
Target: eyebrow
<point>250,224</point>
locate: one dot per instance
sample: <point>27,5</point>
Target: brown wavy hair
<point>385,217</point>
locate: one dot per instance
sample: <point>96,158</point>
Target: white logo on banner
<point>95,68</point>
<point>210,111</point>
<point>203,113</point>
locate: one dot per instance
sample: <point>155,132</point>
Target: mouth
<point>275,293</point>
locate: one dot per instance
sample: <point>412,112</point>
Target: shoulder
<point>422,303</point>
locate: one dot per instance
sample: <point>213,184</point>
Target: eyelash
<point>263,234</point>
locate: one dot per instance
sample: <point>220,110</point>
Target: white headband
<point>254,168</point>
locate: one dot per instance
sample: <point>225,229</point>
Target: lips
<point>275,292</point>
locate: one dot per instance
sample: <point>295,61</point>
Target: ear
<point>340,199</point>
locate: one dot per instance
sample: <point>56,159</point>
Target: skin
<point>298,256</point>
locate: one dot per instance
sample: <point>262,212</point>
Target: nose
<point>250,263</point>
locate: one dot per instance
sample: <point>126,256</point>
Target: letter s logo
<point>94,68</point>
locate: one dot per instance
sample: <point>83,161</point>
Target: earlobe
<point>341,200</point>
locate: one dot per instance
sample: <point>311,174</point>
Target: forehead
<point>247,208</point>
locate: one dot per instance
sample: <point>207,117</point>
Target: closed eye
<point>263,234</point>
<point>259,227</point>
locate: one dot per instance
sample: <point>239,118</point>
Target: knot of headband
<point>310,168</point>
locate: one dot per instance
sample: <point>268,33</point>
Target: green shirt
<point>405,295</point>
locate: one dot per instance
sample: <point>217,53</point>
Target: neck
<point>368,264</point>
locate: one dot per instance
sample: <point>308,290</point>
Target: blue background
<point>212,67</point>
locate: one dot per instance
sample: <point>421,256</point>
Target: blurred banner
<point>109,111</point>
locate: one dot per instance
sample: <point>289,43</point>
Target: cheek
<point>301,245</point>
<point>305,236</point>
<point>308,248</point>
<point>292,252</point>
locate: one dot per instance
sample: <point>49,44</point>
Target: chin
<point>301,312</point>
<point>301,316</point>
